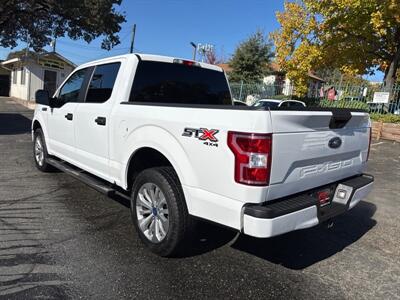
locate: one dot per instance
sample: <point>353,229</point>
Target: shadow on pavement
<point>206,236</point>
<point>26,269</point>
<point>300,249</point>
<point>14,123</point>
<point>295,250</point>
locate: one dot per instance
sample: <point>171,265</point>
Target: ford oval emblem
<point>335,142</point>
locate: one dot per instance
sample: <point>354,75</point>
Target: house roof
<point>226,67</point>
<point>38,56</point>
<point>274,67</point>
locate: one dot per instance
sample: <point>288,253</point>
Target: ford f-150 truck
<point>163,133</point>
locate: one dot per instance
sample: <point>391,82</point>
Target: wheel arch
<point>144,158</point>
<point>35,125</point>
<point>159,141</point>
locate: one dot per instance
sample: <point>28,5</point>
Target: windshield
<point>292,104</point>
<point>163,82</point>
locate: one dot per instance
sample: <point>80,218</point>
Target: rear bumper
<point>303,210</point>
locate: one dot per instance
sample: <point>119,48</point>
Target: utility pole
<point>53,44</point>
<point>27,44</point>
<point>133,37</point>
<point>194,50</point>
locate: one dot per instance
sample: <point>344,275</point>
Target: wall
<point>19,90</point>
<point>386,131</point>
<point>36,79</point>
<point>37,75</point>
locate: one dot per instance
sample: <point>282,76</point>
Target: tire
<point>170,239</point>
<point>40,159</point>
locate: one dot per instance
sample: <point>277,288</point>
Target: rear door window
<point>175,83</point>
<point>102,82</point>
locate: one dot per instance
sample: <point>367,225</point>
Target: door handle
<point>100,121</point>
<point>44,108</point>
<point>69,116</point>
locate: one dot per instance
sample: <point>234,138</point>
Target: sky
<point>167,27</point>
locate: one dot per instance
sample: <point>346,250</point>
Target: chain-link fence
<point>252,92</point>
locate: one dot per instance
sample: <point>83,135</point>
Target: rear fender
<point>164,142</point>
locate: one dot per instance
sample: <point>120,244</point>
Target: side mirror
<point>42,97</point>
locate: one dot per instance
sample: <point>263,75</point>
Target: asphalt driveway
<point>59,239</point>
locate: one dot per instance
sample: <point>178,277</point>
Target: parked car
<point>151,129</point>
<point>239,103</point>
<point>272,103</point>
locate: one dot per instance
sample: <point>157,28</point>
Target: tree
<point>212,57</point>
<point>355,36</point>
<point>251,59</point>
<point>335,76</point>
<point>39,21</point>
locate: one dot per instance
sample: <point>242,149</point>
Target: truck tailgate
<point>314,148</point>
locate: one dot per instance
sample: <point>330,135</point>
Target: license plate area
<point>332,200</point>
<point>324,195</point>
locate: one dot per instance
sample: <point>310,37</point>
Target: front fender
<point>42,121</point>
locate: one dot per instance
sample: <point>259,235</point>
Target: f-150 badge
<point>203,134</point>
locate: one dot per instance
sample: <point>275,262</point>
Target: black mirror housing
<point>42,97</point>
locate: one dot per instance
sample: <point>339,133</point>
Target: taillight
<point>188,63</point>
<point>369,143</point>
<point>252,157</point>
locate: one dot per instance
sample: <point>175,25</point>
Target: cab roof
<point>150,57</point>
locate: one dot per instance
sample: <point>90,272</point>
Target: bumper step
<point>298,202</point>
<point>282,207</point>
<point>303,210</point>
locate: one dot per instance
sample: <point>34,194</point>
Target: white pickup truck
<point>163,132</point>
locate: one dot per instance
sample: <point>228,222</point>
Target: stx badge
<point>203,134</point>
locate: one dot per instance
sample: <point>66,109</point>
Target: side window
<point>70,90</point>
<point>102,83</point>
<point>285,105</point>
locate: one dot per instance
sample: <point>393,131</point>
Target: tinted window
<point>102,83</point>
<point>178,83</point>
<point>292,104</point>
<point>70,91</point>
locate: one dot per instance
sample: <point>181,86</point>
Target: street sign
<point>204,48</point>
<point>381,97</point>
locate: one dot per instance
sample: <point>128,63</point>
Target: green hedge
<point>385,118</point>
<point>344,104</point>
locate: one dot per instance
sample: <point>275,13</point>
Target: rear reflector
<point>252,157</point>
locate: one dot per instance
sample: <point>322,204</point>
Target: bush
<point>385,118</point>
<point>344,104</point>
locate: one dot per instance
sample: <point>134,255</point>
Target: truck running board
<point>90,180</point>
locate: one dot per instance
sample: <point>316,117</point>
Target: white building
<point>37,71</point>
